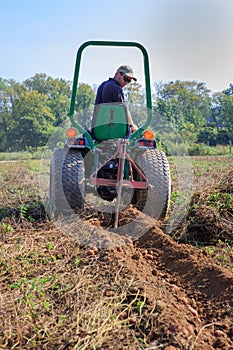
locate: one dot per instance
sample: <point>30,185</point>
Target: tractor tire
<point>155,200</point>
<point>67,182</point>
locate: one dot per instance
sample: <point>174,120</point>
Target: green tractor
<point>110,161</point>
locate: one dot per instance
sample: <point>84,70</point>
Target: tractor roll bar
<point>147,82</point>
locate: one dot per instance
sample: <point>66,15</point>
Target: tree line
<point>31,110</point>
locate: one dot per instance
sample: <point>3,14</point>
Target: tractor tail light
<point>81,142</point>
<point>148,134</point>
<point>143,143</point>
<point>71,132</point>
<point>76,143</point>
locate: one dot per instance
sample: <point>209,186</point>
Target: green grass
<point>20,193</point>
<point>23,155</point>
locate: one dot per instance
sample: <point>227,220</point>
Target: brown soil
<point>173,296</point>
<point>150,293</point>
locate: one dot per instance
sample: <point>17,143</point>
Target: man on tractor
<point>111,90</point>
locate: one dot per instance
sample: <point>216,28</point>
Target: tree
<point>30,111</point>
<point>33,121</point>
<point>222,115</point>
<point>227,113</point>
<point>4,114</point>
<point>208,135</point>
<point>135,100</point>
<point>229,90</point>
<point>84,104</point>
<point>58,93</point>
<point>185,104</point>
<point>9,91</point>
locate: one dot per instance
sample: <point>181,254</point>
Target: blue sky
<point>185,39</point>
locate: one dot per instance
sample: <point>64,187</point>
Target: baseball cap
<point>127,70</point>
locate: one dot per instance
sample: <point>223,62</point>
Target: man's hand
<point>134,128</point>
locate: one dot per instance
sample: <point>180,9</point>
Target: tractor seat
<point>110,121</point>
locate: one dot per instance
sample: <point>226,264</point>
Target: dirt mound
<point>122,289</point>
<point>150,294</point>
<point>197,289</point>
<point>210,215</point>
<point>190,268</point>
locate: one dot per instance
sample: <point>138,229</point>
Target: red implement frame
<point>120,182</point>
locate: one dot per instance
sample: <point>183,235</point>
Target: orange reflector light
<point>149,134</point>
<point>71,132</point>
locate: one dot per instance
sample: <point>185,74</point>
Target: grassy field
<point>57,294</point>
<point>21,196</point>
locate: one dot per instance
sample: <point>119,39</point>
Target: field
<point>166,289</point>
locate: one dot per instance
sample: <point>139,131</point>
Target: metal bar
<point>135,166</point>
<point>147,82</point>
<point>120,175</point>
<point>125,183</point>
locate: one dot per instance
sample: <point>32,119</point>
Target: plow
<point>110,160</point>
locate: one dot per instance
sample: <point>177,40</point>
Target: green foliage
<point>85,97</point>
<point>188,112</point>
<point>221,201</point>
<point>49,246</point>
<point>5,228</point>
<point>185,104</point>
<point>189,109</point>
<point>34,121</point>
<point>135,100</point>
<point>227,113</point>
<point>57,92</point>
<point>22,211</point>
<point>84,104</point>
<point>208,135</point>
<point>229,90</point>
<point>30,111</point>
<point>201,149</point>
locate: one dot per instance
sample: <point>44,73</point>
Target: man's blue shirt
<point>109,91</point>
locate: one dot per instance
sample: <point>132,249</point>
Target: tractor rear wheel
<point>67,182</point>
<point>155,200</point>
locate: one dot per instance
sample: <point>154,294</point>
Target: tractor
<point>111,160</point>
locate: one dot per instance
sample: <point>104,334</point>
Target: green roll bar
<point>75,85</point>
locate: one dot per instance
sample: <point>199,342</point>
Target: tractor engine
<point>108,171</point>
